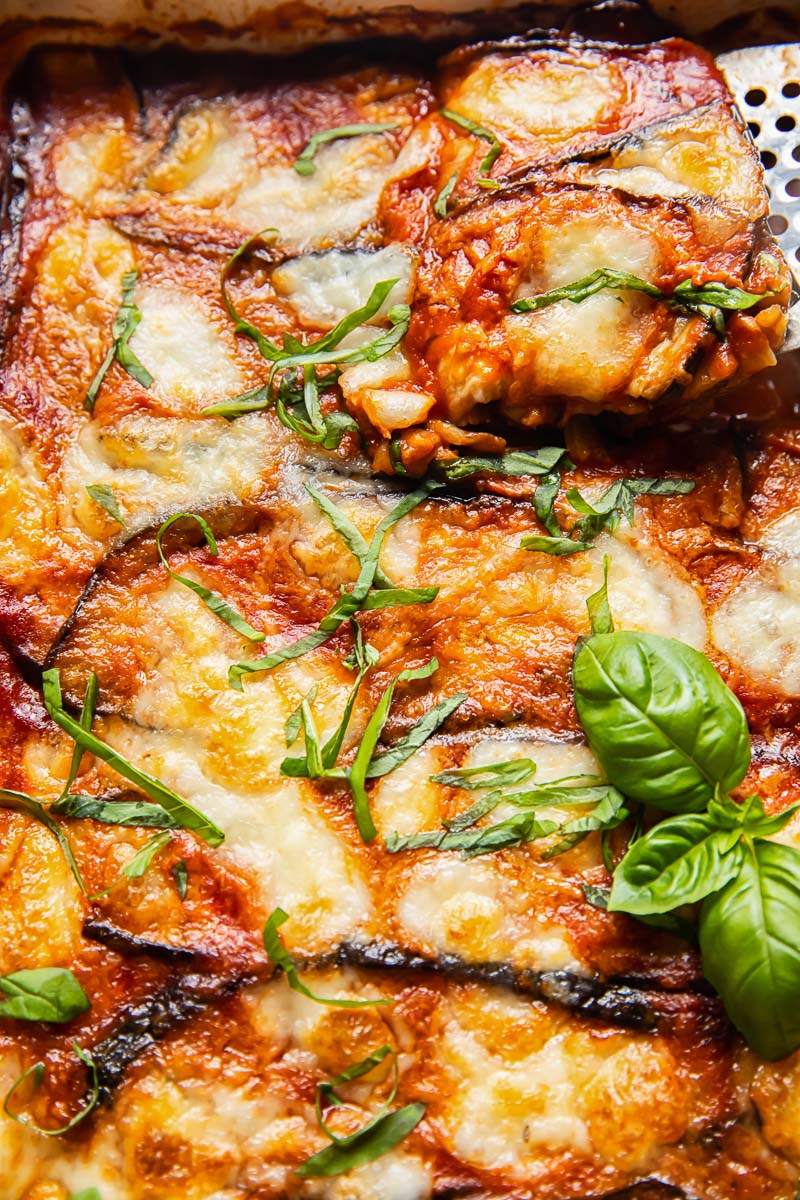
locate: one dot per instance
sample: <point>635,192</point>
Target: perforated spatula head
<point>765,81</point>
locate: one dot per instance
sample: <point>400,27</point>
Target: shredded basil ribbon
<point>184,813</point>
<point>617,501</point>
<point>380,1134</point>
<point>219,607</point>
<point>304,164</point>
<point>136,867</point>
<point>104,496</point>
<point>486,163</point>
<point>325,351</point>
<point>513,462</point>
<point>357,600</point>
<point>708,300</point>
<point>125,322</point>
<point>43,994</point>
<point>279,957</point>
<point>37,1072</point>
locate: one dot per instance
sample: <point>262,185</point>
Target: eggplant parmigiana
<point>306,855</point>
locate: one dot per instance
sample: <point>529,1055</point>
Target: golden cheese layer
<point>561,1051</point>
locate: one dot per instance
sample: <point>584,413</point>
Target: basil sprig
<point>361,598</point>
<point>605,513</point>
<point>304,163</point>
<point>280,957</point>
<point>19,802</point>
<point>103,495</point>
<point>300,410</point>
<point>184,813</point>
<point>671,735</point>
<point>219,607</point>
<point>37,1073</point>
<point>43,994</point>
<point>142,813</point>
<point>125,322</point>
<point>708,300</point>
<point>380,1134</point>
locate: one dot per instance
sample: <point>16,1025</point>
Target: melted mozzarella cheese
<point>190,359</point>
<point>591,348</point>
<point>758,625</point>
<point>223,749</point>
<point>91,162</point>
<point>324,288</point>
<point>154,465</point>
<point>209,158</point>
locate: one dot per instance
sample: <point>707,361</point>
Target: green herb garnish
<point>125,322</point>
<point>212,601</point>
<point>442,197</point>
<point>708,300</point>
<point>102,494</point>
<point>37,1072</point>
<point>279,957</point>
<point>486,135</point>
<point>381,1134</point>
<point>350,602</point>
<point>137,866</point>
<point>141,813</point>
<point>304,164</point>
<point>184,813</point>
<point>43,994</point>
<point>513,462</point>
<point>19,802</point>
<point>180,874</point>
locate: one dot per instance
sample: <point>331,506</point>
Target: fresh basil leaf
<point>671,923</point>
<point>254,400</point>
<point>489,775</point>
<point>750,943</point>
<point>699,300</point>
<point>513,462</point>
<point>136,867</point>
<point>749,816</point>
<point>304,164</point>
<point>370,738</point>
<point>608,813</point>
<point>356,544</point>
<point>278,956</point>
<point>513,831</point>
<point>597,605</point>
<point>544,499</point>
<point>347,605</point>
<point>184,813</point>
<point>141,813</point>
<point>442,197</point>
<point>365,1145</point>
<point>478,131</point>
<point>326,1092</point>
<point>19,802</point>
<point>619,500</point>
<point>598,897</point>
<point>219,607</point>
<point>86,719</point>
<point>36,1073</point>
<point>295,721</point>
<point>180,874</point>
<point>102,494</point>
<point>43,994</point>
<point>557,546</point>
<point>398,598</point>
<point>382,764</point>
<point>664,726</point>
<point>125,322</point>
<point>679,861</point>
<point>266,348</point>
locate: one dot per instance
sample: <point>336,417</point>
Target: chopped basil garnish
<point>19,802</point>
<point>86,719</point>
<point>86,1194</point>
<point>708,300</point>
<point>102,494</point>
<point>142,813</point>
<point>350,602</point>
<point>279,957</point>
<point>37,1072</point>
<point>479,131</point>
<point>139,864</point>
<point>513,462</point>
<point>125,322</point>
<point>617,501</point>
<point>381,1134</point>
<point>180,874</point>
<point>491,775</point>
<point>440,203</point>
<point>599,609</point>
<point>302,413</point>
<point>43,994</point>
<point>184,813</point>
<point>304,164</point>
<point>212,601</point>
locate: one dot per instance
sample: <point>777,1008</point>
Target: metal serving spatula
<point>765,81</point>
